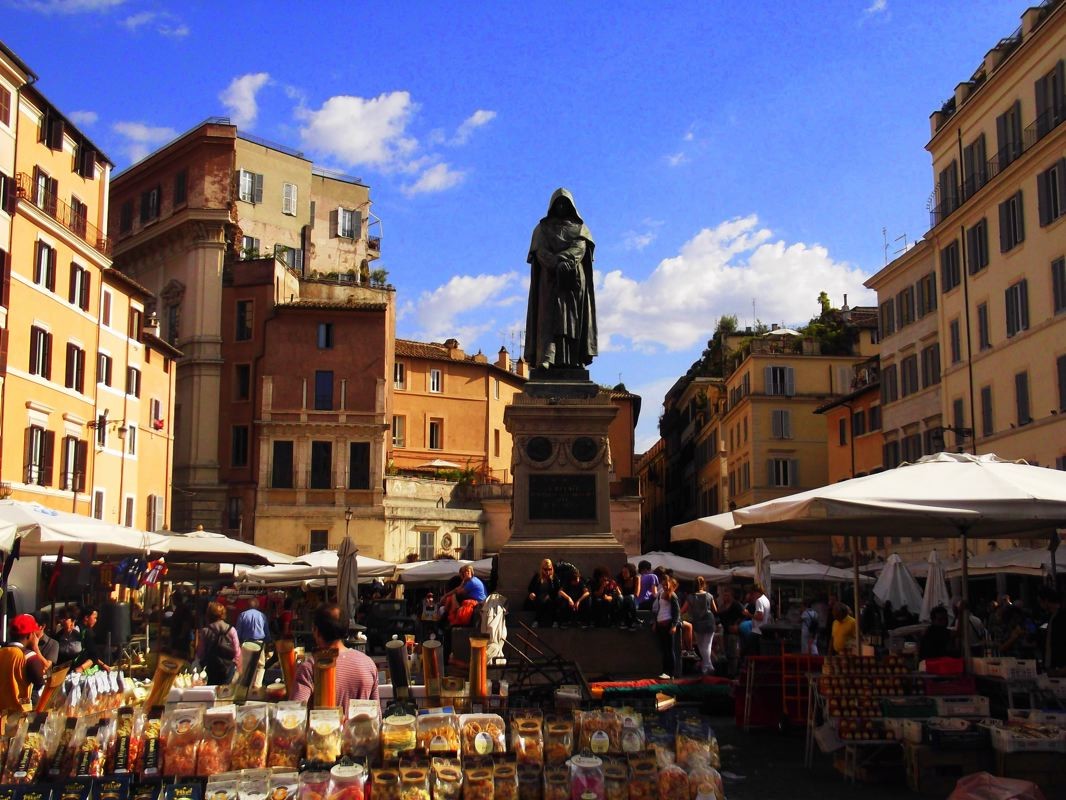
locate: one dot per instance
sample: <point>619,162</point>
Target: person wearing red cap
<point>22,667</point>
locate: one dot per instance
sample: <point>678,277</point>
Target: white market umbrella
<point>439,463</point>
<point>207,547</point>
<point>442,569</point>
<point>319,564</point>
<point>762,566</point>
<point>1017,561</point>
<point>803,570</point>
<point>936,589</point>
<point>348,580</point>
<point>710,530</point>
<point>896,585</point>
<point>44,531</point>
<point>684,568</point>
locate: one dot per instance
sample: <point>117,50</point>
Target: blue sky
<point>723,154</point>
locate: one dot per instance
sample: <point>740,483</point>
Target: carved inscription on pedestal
<point>562,497</point>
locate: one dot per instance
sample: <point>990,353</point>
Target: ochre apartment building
<point>87,389</point>
<point>183,219</point>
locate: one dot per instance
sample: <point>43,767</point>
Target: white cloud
<point>142,139</point>
<point>164,23</point>
<point>470,124</point>
<point>66,6</point>
<point>83,118</point>
<point>240,98</point>
<point>640,239</point>
<point>176,31</point>
<point>676,159</point>
<point>437,178</point>
<point>359,131</point>
<point>461,308</point>
<point>138,20</point>
<point>719,271</point>
<point>876,7</point>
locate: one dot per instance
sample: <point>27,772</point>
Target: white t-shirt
<point>761,604</point>
<point>662,609</point>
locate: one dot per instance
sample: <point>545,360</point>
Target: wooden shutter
<point>34,340</point>
<point>1060,363</point>
<point>144,206</point>
<point>27,455</point>
<point>51,269</point>
<point>1021,218</point>
<point>768,378</point>
<point>51,199</point>
<point>47,356</point>
<point>37,253</point>
<point>69,373</point>
<point>1043,125</point>
<point>72,294</point>
<point>55,133</point>
<point>786,424</point>
<point>1062,183</point>
<point>81,461</point>
<point>1023,303</point>
<point>334,223</point>
<point>1002,156</point>
<point>48,458</point>
<point>257,188</point>
<point>775,425</point>
<point>86,284</point>
<point>1004,221</point>
<point>769,473</point>
<point>1016,125</point>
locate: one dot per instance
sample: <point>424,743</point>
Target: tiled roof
<point>334,305</point>
<point>864,316</point>
<point>408,348</point>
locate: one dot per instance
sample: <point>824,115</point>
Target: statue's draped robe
<point>561,316</point>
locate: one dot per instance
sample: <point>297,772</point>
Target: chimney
<point>503,360</point>
<point>1030,19</point>
<point>774,326</point>
<point>454,353</point>
<point>962,91</point>
<point>151,324</point>
<point>521,369</point>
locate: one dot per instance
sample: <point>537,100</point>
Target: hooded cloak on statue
<point>561,316</point>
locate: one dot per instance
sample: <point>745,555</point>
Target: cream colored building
<point>998,149</point>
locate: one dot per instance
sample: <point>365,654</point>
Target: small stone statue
<point>561,317</point>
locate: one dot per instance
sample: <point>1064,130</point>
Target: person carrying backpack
<point>809,628</point>
<point>217,647</point>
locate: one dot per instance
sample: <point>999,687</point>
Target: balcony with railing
<point>72,219</point>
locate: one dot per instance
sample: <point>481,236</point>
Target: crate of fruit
<point>1029,738</point>
<point>907,707</point>
<point>973,705</point>
<point>1022,716</point>
<point>1012,669</point>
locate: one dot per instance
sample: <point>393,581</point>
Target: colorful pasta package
<point>643,776</point>
<point>615,778</point>
<point>702,777</point>
<point>254,784</point>
<point>92,752</point>
<point>673,783</point>
<point>527,736</point>
<point>150,763</point>
<point>531,782</point>
<point>505,780</point>
<point>414,783</point>
<point>314,785</point>
<point>556,783</point>
<point>29,751</point>
<point>558,740</point>
<point>288,735</point>
<point>284,785</point>
<point>216,747</point>
<point>447,778</point>
<point>660,741</point>
<point>220,787</point>
<point>632,730</point>
<point>478,784</point>
<point>346,782</point>
<point>180,740</point>
<point>398,736</point>
<point>60,757</point>
<point>249,749</point>
<point>362,730</point>
<point>125,744</point>
<point>601,731</point>
<point>438,733</point>
<point>692,744</point>
<point>324,735</point>
<point>385,784</point>
<point>483,734</point>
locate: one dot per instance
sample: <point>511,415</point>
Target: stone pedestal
<point>562,502</point>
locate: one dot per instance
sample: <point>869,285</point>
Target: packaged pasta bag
<point>113,788</point>
<point>284,785</point>
<point>249,749</point>
<point>527,736</point>
<point>180,740</point>
<point>558,739</point>
<point>254,784</point>
<point>314,785</point>
<point>362,730</point>
<point>632,730</point>
<point>56,764</point>
<point>478,783</point>
<point>122,755</point>
<point>437,734</point>
<point>643,776</point>
<point>414,784</point>
<point>398,736</point>
<point>346,782</point>
<point>692,745</point>
<point>324,736</point>
<point>385,783</point>
<point>30,752</point>
<point>673,783</point>
<point>92,752</point>
<point>505,778</point>
<point>660,741</point>
<point>482,734</point>
<point>447,778</point>
<point>288,735</point>
<point>216,746</point>
<point>221,787</point>
<point>76,789</point>
<point>531,782</point>
<point>601,731</point>
<point>557,782</point>
<point>615,778</point>
<point>150,762</point>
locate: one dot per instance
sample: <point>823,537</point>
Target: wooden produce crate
<point>933,772</point>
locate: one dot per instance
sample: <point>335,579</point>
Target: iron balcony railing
<point>62,213</point>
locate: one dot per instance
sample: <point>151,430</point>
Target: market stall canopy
<point>439,463</point>
<point>938,496</point>
<point>323,564</point>
<point>1019,561</point>
<point>684,568</point>
<point>206,547</point>
<point>442,569</point>
<point>936,589</point>
<point>919,569</point>
<point>896,585</point>
<point>44,531</point>
<point>803,570</point>
<point>710,530</point>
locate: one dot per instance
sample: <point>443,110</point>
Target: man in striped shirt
<point>357,675</point>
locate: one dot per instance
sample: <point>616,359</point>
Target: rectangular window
<point>890,455</point>
<point>44,268</point>
<point>321,465</point>
<point>948,190</point>
<point>150,204</point>
<point>427,545</point>
<point>977,247</point>
<point>101,431</point>
<point>399,376</point>
<point>79,216</point>
<point>325,336</point>
<point>888,318</point>
<point>249,248</point>
<point>233,513</point>
<point>1009,135</point>
<point>349,223</point>
<point>889,386</point>
<point>1011,223</point>
<point>133,323</point>
<point>781,423</point>
<point>1058,285</point>
<point>783,472</point>
<point>927,294</point>
<point>436,434</point>
<point>435,380</point>
<point>281,465</point>
<point>1050,99</point>
<point>1051,192</point>
<point>5,106</point>
<point>359,465</point>
<point>288,199</point>
<point>323,390</point>
<point>464,543</point>
<point>858,423</point>
<point>842,431</point>
<point>1060,367</point>
<point>40,352</point>
<point>133,381</point>
<point>71,478</point>
<point>875,418</point>
<point>173,314</point>
<point>496,442</point>
<point>984,334</point>
<point>105,309</point>
<point>78,292</point>
<point>905,306</point>
<point>98,504</point>
<point>780,381</point>
<point>1021,398</point>
<point>950,274</point>
<point>125,217</point>
<point>908,369</point>
<point>1017,303</point>
<point>75,372</point>
<point>181,180</point>
<point>245,313</point>
<point>40,455</point>
<point>318,540</point>
<point>242,381</point>
<point>399,431</point>
<point>495,388</point>
<point>292,257</point>
<point>958,413</point>
<point>987,421</point>
<point>955,340</point>
<point>155,413</point>
<point>250,187</point>
<point>930,366</point>
<point>131,440</point>
<point>912,447</point>
<point>975,166</point>
<point>103,369</point>
<point>239,446</point>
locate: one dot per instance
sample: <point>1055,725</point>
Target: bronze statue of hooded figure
<point>561,317</point>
